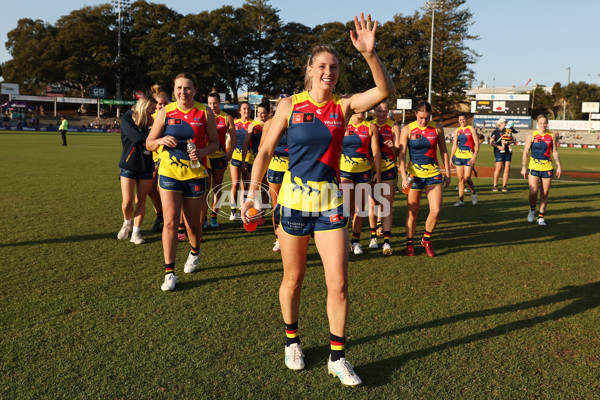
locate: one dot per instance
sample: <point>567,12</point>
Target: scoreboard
<point>501,107</point>
<point>501,104</point>
<point>489,108</point>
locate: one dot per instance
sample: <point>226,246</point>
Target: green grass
<point>508,310</point>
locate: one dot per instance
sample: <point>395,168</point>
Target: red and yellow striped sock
<point>337,347</point>
<point>291,333</point>
<point>427,236</point>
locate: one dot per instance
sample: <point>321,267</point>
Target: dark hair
<point>322,48</point>
<point>215,95</point>
<point>266,105</point>
<point>240,107</point>
<point>187,75</point>
<point>462,115</point>
<point>423,106</point>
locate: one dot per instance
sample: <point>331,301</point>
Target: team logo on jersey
<point>300,118</point>
<point>174,121</point>
<point>319,111</point>
<point>333,115</point>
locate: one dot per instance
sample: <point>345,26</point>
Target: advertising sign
<point>118,102</point>
<point>98,92</point>
<point>404,104</point>
<point>10,88</point>
<point>504,107</point>
<point>590,107</point>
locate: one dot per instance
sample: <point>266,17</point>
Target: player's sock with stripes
<point>181,229</point>
<point>386,236</point>
<point>194,250</point>
<point>427,236</point>
<point>213,214</point>
<point>169,268</point>
<point>373,231</point>
<point>409,241</point>
<point>541,215</point>
<point>291,333</point>
<point>379,225</point>
<point>337,347</point>
<point>355,237</point>
<point>461,198</point>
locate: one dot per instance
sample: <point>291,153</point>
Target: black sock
<point>291,333</point>
<point>181,229</point>
<point>159,216</point>
<point>169,268</point>
<point>386,236</point>
<point>337,347</point>
<point>409,241</point>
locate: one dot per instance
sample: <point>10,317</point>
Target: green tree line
<point>235,49</point>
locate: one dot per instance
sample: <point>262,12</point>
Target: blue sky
<point>519,39</point>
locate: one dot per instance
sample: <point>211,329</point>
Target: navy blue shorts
<point>421,183</point>
<point>389,175</point>
<point>541,174</point>
<point>126,173</point>
<point>238,163</point>
<point>357,177</point>
<point>191,189</point>
<point>304,223</point>
<point>217,163</point>
<point>466,162</point>
<point>275,177</point>
<point>503,157</point>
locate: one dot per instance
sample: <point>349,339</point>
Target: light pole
<point>119,4</point>
<point>565,98</point>
<point>433,5</point>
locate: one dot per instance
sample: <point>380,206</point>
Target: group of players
<point>316,151</point>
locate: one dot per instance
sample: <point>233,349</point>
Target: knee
<point>291,284</point>
<point>338,288</point>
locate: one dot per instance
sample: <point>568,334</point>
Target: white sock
<point>128,221</point>
<point>136,229</point>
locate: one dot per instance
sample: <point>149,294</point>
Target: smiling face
<point>262,114</point>
<point>214,104</point>
<point>462,121</point>
<point>152,107</point>
<point>381,112</point>
<point>324,71</point>
<point>185,91</point>
<point>245,111</point>
<point>542,123</point>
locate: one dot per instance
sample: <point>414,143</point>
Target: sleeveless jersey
<point>257,130</point>
<point>465,143</point>
<point>183,125</point>
<point>388,161</point>
<point>541,151</point>
<point>221,121</point>
<point>241,128</point>
<point>355,148</point>
<point>280,159</point>
<point>422,147</point>
<point>314,137</point>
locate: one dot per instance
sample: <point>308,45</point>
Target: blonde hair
<point>140,111</point>
<point>158,93</point>
<point>540,117</point>
<point>322,48</point>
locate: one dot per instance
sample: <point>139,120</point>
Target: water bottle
<point>191,147</point>
<point>409,180</point>
<point>251,225</point>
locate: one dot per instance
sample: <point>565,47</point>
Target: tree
<point>286,75</point>
<point>87,48</point>
<point>33,47</point>
<point>451,56</point>
<point>262,24</point>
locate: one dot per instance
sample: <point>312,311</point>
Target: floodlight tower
<point>119,4</point>
<point>432,5</point>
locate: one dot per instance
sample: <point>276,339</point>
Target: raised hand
<point>364,38</point>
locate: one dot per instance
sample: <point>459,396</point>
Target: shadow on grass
<point>378,373</point>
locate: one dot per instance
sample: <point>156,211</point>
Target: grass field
<point>509,310</point>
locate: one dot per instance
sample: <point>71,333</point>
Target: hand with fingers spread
<point>364,38</point>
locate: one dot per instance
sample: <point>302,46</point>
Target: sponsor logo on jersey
<point>300,118</point>
<point>174,121</point>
